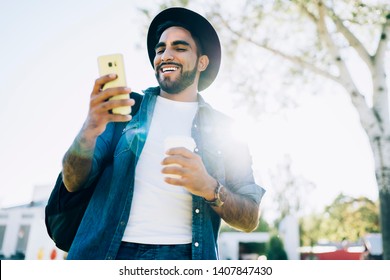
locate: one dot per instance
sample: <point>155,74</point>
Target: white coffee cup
<point>176,142</point>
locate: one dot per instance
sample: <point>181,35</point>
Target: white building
<point>229,244</point>
<point>23,233</point>
<point>289,231</point>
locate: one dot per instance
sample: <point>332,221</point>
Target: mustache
<point>167,63</point>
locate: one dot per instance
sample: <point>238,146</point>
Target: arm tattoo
<point>77,163</point>
<point>239,212</point>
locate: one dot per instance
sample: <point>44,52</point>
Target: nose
<point>167,55</point>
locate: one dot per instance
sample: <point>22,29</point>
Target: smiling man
<point>140,212</point>
<point>175,50</point>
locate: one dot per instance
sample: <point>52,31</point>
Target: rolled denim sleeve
<point>239,172</point>
<point>220,146</point>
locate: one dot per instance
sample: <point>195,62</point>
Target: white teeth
<point>169,69</point>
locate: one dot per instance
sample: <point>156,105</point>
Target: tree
<point>276,249</point>
<point>290,190</point>
<point>347,218</point>
<point>334,30</point>
<point>318,38</point>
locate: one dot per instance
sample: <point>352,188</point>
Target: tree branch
<point>345,76</point>
<point>297,61</point>
<point>351,38</point>
<point>367,117</point>
<point>324,34</point>
<point>384,39</point>
<point>293,59</point>
<point>380,89</point>
<point>306,11</point>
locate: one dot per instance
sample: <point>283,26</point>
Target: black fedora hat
<point>198,26</point>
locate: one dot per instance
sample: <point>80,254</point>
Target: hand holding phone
<point>113,64</point>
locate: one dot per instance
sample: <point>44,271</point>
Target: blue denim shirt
<point>101,230</point>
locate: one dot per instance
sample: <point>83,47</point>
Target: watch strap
<point>218,201</point>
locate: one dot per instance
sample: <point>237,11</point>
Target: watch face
<point>222,194</point>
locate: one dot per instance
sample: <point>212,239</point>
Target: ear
<point>203,63</point>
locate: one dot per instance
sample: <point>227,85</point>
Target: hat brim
<point>205,31</point>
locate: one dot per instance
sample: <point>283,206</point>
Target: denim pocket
<point>127,143</point>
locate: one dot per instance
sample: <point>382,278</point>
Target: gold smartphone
<point>113,64</point>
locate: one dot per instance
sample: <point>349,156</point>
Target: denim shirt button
<point>122,223</point>
<point>197,211</point>
<point>196,244</point>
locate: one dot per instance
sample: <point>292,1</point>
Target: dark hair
<point>164,26</point>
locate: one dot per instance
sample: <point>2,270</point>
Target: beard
<point>185,79</point>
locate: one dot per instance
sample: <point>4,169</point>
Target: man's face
<point>176,60</point>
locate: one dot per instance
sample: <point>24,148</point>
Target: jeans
<point>134,251</point>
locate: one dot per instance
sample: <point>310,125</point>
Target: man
<point>139,213</point>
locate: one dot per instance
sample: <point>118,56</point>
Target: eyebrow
<point>174,43</point>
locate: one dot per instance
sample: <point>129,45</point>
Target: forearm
<point>77,162</point>
<point>239,211</point>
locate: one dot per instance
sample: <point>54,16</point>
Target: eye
<point>160,51</point>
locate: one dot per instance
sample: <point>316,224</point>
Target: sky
<point>49,53</point>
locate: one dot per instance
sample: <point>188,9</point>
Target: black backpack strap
<point>138,100</point>
<point>120,126</point>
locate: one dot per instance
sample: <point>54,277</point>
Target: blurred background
<point>304,80</point>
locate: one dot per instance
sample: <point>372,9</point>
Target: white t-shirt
<point>161,213</point>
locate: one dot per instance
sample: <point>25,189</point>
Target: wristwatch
<point>219,196</point>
